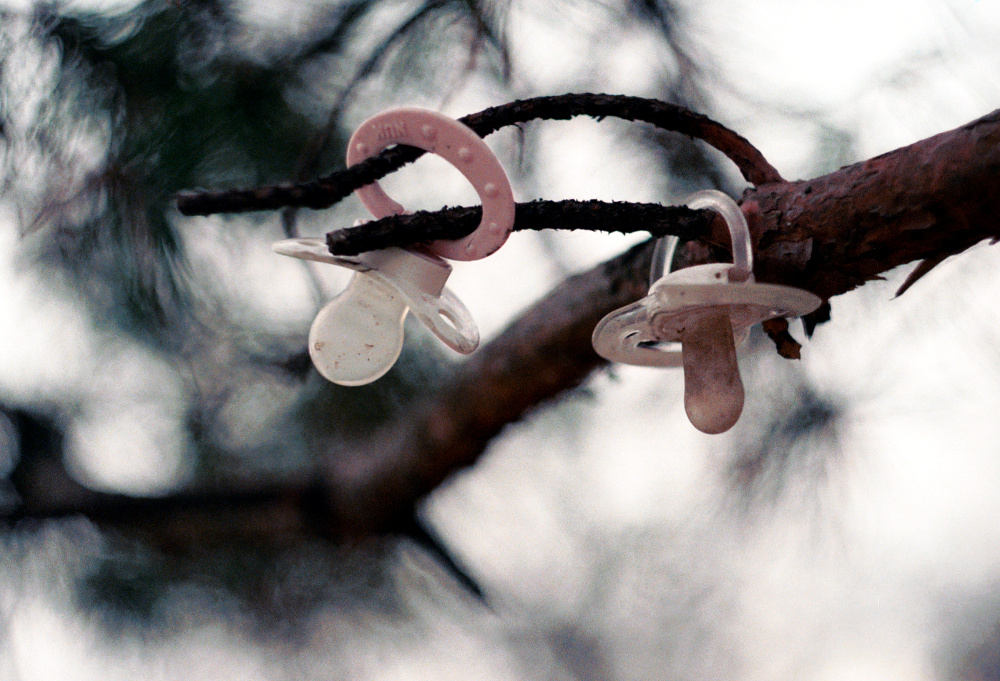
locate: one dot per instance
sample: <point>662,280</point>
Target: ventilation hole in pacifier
<point>450,319</point>
<point>662,346</point>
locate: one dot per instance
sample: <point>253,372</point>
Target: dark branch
<point>454,223</point>
<point>326,191</point>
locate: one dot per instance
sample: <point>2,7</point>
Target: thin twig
<point>326,191</point>
<point>454,223</point>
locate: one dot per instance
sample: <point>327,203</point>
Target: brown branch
<point>828,235</point>
<point>934,198</point>
<point>326,191</point>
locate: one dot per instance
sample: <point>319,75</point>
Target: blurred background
<point>846,529</point>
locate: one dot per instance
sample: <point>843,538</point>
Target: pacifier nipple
<point>357,337</point>
<point>713,389</point>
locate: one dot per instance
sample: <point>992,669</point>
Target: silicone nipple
<point>357,337</point>
<point>713,389</point>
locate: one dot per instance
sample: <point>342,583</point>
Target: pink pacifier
<point>358,336</point>
<point>708,309</point>
<point>459,145</point>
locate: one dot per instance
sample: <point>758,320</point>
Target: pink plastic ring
<point>460,146</point>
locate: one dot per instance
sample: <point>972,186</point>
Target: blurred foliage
<point>123,585</point>
<point>836,148</point>
<point>191,96</point>
<point>181,94</point>
<point>194,101</point>
<point>275,588</point>
<point>191,109</point>
<point>796,446</point>
<point>186,110</point>
<point>791,448</point>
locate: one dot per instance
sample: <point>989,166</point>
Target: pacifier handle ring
<point>450,321</point>
<point>459,145</point>
<point>739,231</point>
<point>663,255</point>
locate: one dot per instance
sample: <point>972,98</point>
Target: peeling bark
<point>931,199</point>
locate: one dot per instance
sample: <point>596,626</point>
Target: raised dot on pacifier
<point>708,310</point>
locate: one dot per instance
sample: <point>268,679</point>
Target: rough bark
<point>593,216</point>
<point>931,199</point>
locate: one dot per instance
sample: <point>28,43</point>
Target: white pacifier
<point>708,309</point>
<point>358,336</point>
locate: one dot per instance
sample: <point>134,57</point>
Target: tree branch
<point>931,199</point>
<point>542,354</point>
<point>827,235</point>
<point>454,223</point>
<point>326,191</point>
